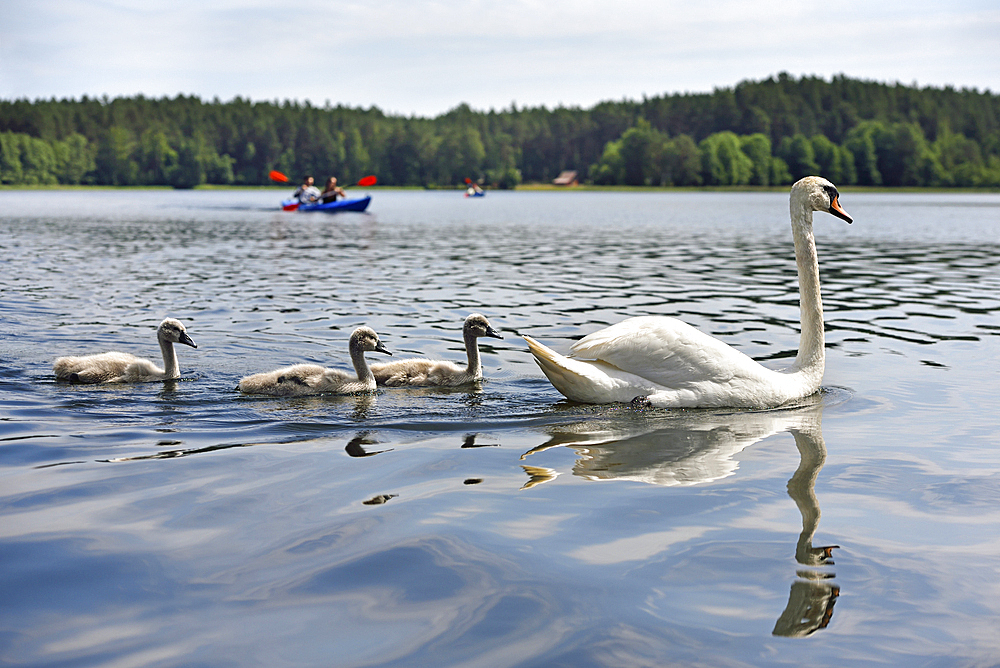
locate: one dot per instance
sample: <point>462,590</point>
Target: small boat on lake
<point>356,204</point>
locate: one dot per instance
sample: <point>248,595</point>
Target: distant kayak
<point>478,193</point>
<point>359,204</point>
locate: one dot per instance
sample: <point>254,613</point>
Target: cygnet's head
<point>173,331</point>
<point>365,338</point>
<point>819,195</point>
<point>478,325</point>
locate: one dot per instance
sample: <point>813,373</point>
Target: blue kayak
<point>359,204</point>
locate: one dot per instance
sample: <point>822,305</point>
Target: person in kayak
<point>332,191</point>
<point>307,193</point>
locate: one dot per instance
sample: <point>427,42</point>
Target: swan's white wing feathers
<point>666,352</point>
<point>588,382</point>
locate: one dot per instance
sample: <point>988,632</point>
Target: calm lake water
<point>179,523</point>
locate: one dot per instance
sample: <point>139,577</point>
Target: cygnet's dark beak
<point>380,348</point>
<point>186,340</point>
<point>492,332</point>
<point>838,211</point>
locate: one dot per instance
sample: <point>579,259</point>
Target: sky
<point>421,57</point>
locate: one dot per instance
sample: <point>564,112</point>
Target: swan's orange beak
<point>839,212</point>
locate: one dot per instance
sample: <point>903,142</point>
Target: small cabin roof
<point>565,178</point>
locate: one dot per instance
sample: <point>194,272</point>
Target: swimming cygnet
<point>115,367</point>
<point>302,379</point>
<point>434,373</point>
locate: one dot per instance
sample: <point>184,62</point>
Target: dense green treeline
<point>757,133</point>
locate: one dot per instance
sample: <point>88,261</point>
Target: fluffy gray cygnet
<point>116,367</point>
<point>421,372</point>
<point>302,379</point>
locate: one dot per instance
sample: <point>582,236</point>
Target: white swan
<point>435,373</point>
<point>115,367</point>
<point>302,379</point>
<point>668,363</point>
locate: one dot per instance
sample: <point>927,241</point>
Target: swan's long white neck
<point>365,374</point>
<point>811,357</point>
<point>472,350</point>
<point>170,367</point>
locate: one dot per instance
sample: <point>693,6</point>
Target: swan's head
<point>366,340</point>
<point>478,326</point>
<point>173,331</point>
<point>817,194</point>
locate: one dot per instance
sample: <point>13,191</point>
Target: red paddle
<point>369,180</point>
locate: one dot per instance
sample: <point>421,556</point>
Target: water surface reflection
<point>473,537</point>
<point>698,447</point>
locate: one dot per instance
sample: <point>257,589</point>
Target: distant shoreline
<point>524,187</point>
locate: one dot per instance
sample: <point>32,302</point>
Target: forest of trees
<point>766,132</point>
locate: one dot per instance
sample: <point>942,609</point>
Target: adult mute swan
<point>302,379</point>
<point>668,363</point>
<point>435,373</point>
<point>115,367</point>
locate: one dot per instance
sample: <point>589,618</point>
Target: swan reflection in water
<point>699,447</point>
<point>810,602</point>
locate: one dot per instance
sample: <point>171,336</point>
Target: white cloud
<point>426,57</point>
<point>641,547</point>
